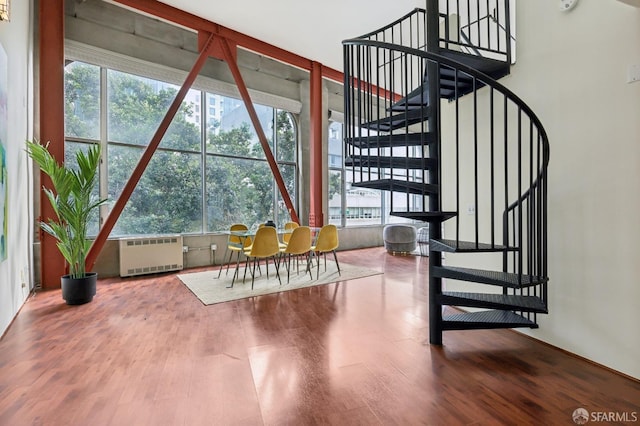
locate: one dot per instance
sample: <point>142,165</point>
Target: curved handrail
<point>536,180</point>
<point>417,22</point>
<point>467,70</point>
<point>391,25</point>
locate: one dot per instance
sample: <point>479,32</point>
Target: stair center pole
<point>435,228</point>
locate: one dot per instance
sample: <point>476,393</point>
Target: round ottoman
<point>400,239</point>
<point>423,240</point>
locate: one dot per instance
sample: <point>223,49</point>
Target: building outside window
<point>348,206</point>
<point>353,206</point>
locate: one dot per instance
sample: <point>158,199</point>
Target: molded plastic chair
<point>288,227</point>
<point>235,244</point>
<point>265,245</point>
<point>299,244</point>
<point>327,241</point>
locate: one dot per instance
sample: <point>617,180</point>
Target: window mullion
<point>204,120</point>
<point>104,165</point>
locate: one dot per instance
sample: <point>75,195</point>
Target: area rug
<point>210,289</point>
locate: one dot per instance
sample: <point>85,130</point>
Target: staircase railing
<point>491,149</point>
<point>482,28</point>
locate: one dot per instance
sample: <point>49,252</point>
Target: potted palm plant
<point>73,202</point>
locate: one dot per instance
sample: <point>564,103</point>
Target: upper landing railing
<point>480,28</point>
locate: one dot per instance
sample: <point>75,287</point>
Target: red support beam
<point>244,93</point>
<point>316,216</point>
<point>51,93</point>
<point>97,245</point>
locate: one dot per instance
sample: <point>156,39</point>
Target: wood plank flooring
<point>147,352</point>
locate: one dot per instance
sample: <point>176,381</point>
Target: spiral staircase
<point>427,121</point>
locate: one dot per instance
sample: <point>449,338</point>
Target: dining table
<point>250,233</point>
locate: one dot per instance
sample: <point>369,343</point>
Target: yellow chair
<point>288,228</point>
<point>299,244</point>
<point>327,241</point>
<point>265,245</point>
<point>235,244</point>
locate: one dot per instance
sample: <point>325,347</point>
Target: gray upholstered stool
<point>423,240</point>
<point>400,239</point>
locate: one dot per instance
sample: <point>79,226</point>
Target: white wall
<point>571,70</point>
<point>15,37</point>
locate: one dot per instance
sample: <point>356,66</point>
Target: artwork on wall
<point>4,188</point>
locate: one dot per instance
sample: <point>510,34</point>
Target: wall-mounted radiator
<point>149,255</point>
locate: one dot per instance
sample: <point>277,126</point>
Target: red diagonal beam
<point>244,93</point>
<point>146,157</point>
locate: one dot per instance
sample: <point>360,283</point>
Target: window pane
<point>364,206</point>
<point>166,200</point>
<point>137,105</point>
<point>286,136</point>
<point>184,131</point>
<point>82,100</point>
<point>231,131</point>
<point>335,197</point>
<point>335,144</point>
<point>288,173</point>
<point>238,191</point>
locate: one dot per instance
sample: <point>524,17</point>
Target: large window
<point>351,205</point>
<point>209,170</point>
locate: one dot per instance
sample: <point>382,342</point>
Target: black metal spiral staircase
<point>426,121</point>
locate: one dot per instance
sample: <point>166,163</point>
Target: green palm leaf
<point>71,200</point>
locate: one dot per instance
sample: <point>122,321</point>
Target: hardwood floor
<point>147,352</point>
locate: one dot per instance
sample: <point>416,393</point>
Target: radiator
<point>148,255</point>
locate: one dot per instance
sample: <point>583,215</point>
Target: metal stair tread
<point>494,68</point>
<point>415,99</point>
<point>459,246</point>
<point>486,320</point>
<point>399,185</point>
<point>426,216</point>
<point>386,140</point>
<point>390,162</point>
<point>494,301</point>
<point>503,279</point>
<point>397,121</point>
<point>450,75</point>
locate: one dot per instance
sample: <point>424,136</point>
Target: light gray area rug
<point>210,290</point>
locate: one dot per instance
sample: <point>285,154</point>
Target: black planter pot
<point>77,291</point>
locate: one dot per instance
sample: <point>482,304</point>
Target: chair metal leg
<point>309,265</point>
<point>253,272</point>
<point>222,266</point>
<point>288,265</point>
<point>266,265</point>
<point>235,273</point>
<point>336,259</point>
<point>246,266</point>
<point>277,273</point>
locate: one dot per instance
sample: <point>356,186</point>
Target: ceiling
<point>312,29</point>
